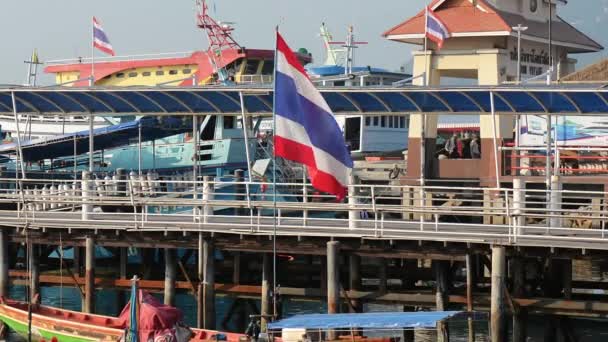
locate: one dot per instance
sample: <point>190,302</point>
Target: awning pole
<point>494,134</point>
<point>245,133</point>
<point>19,163</point>
<point>91,142</point>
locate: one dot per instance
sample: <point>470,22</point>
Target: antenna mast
<point>32,69</point>
<point>218,35</point>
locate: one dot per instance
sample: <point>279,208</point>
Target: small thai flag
<point>100,40</point>
<point>435,28</point>
<point>306,130</point>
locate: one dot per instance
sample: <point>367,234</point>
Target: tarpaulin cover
<point>372,320</point>
<point>155,318</point>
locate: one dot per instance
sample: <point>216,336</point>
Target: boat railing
<point>254,79</point>
<point>558,218</point>
<point>86,60</point>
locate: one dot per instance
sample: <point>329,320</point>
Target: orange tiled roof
<point>459,16</point>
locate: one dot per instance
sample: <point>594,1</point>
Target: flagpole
<point>92,80</point>
<point>426,61</point>
<point>274,180</point>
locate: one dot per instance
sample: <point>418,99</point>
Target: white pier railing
<point>573,219</point>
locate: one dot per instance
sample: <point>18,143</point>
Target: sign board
<point>568,130</point>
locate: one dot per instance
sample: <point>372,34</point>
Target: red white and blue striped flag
<point>100,40</point>
<point>306,130</point>
<point>435,28</point>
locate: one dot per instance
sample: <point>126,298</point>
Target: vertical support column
<point>470,280</point>
<point>355,280</point>
<point>333,282</point>
<point>236,268</point>
<point>353,214</point>
<point>266,289</point>
<point>86,195</point>
<point>207,249</point>
<point>497,305</point>
<point>200,316</point>
<point>89,276</point>
<point>207,196</point>
<point>520,318</point>
<point>518,205</point>
<point>333,277</point>
<point>4,263</point>
<point>34,255</point>
<point>441,268</point>
<point>556,202</point>
<point>170,275</point>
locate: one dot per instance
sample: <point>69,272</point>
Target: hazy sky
<point>62,28</point>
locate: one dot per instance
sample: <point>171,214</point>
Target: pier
<point>493,240</point>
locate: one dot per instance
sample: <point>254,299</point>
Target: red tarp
<point>155,318</point>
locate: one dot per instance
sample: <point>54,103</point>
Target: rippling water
<point>107,303</point>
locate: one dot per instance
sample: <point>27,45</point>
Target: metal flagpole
<point>274,180</point>
<point>423,122</point>
<point>92,80</point>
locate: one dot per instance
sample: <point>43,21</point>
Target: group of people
<point>461,147</point>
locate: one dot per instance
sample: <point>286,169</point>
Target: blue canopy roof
<point>104,138</point>
<point>571,100</point>
<point>372,320</point>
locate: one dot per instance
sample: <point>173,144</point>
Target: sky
<point>61,29</point>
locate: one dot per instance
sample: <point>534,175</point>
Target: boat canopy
<point>559,100</point>
<point>372,320</point>
<point>152,128</point>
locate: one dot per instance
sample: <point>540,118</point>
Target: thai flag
<point>306,130</point>
<point>100,40</point>
<point>435,28</point>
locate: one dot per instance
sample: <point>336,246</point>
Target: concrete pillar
<point>4,263</point>
<point>497,302</point>
<point>266,296</point>
<point>89,276</point>
<point>333,277</point>
<point>355,280</point>
<point>34,261</point>
<point>207,249</point>
<point>170,275</point>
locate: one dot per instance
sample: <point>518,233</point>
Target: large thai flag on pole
<point>435,29</point>
<point>100,40</point>
<point>306,130</point>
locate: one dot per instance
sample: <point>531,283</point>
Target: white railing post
<point>518,204</point>
<point>556,202</point>
<point>86,195</point>
<point>353,213</point>
<point>207,196</point>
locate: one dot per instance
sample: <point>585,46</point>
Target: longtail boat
<point>51,323</point>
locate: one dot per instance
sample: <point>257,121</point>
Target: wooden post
<point>266,295</point>
<point>208,251</point>
<point>355,280</point>
<point>236,268</point>
<point>441,268</point>
<point>497,307</point>
<point>333,277</point>
<point>170,275</point>
<point>89,276</point>
<point>200,316</point>
<point>470,280</point>
<point>34,271</point>
<point>4,263</point>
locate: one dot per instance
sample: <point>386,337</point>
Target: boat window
<point>187,71</point>
<point>160,73</point>
<point>229,122</point>
<point>401,122</point>
<point>268,68</point>
<point>383,121</point>
<point>391,120</point>
<point>172,72</point>
<point>146,73</point>
<point>352,133</point>
<point>120,75</point>
<point>208,132</point>
<point>368,121</point>
<point>132,74</point>
<point>252,67</point>
<point>376,120</point>
<point>339,84</point>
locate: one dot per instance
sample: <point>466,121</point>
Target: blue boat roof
<point>103,138</point>
<point>372,320</point>
<point>564,100</point>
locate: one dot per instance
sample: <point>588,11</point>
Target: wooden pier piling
<point>170,276</point>
<point>333,277</point>
<point>89,281</point>
<point>34,264</point>
<point>497,302</point>
<point>355,280</point>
